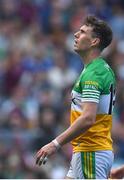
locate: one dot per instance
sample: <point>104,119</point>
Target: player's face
<point>83,39</point>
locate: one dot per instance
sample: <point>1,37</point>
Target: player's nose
<point>76,35</point>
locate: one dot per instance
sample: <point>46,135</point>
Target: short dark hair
<point>100,29</point>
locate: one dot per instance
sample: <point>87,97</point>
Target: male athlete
<point>91,108</point>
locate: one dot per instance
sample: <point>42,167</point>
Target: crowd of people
<point>38,68</point>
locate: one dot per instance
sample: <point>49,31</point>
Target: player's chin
<point>76,49</point>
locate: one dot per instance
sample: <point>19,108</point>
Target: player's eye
<point>82,31</point>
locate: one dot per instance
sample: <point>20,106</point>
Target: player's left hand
<point>43,154</point>
<point>116,174</point>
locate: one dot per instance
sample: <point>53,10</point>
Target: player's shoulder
<point>99,71</point>
<point>102,68</point>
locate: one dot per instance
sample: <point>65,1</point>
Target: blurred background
<point>38,68</point>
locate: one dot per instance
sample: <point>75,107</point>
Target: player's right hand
<point>43,154</point>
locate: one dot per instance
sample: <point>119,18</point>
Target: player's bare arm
<point>81,125</point>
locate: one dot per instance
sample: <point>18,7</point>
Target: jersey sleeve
<point>92,86</point>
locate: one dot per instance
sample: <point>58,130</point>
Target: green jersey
<point>95,84</point>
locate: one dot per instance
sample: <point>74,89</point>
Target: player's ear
<point>95,41</point>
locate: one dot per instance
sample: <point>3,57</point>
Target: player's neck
<point>90,56</point>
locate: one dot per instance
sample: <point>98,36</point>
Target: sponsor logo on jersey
<point>91,83</point>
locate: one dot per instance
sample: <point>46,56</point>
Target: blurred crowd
<point>38,68</point>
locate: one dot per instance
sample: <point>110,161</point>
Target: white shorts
<point>91,165</point>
